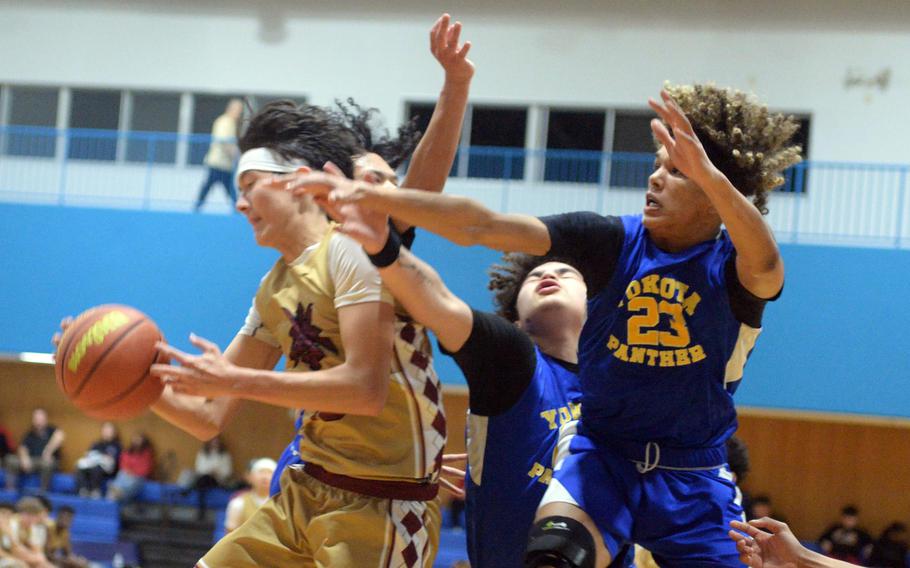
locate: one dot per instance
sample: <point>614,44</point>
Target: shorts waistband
<point>401,490</point>
<point>657,456</point>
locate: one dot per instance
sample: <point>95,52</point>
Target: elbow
<point>373,394</point>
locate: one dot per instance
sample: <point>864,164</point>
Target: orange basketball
<point>103,362</point>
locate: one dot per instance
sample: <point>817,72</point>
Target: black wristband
<point>389,252</point>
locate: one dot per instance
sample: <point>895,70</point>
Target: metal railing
<point>823,202</point>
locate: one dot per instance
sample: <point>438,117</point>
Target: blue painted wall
<point>835,341</point>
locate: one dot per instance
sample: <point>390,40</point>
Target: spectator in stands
<point>59,549</point>
<point>214,467</point>
<point>846,540</point>
<point>222,153</point>
<point>760,507</point>
<point>7,450</point>
<point>7,560</point>
<point>99,464</point>
<point>38,452</point>
<point>890,550</point>
<point>137,462</point>
<point>244,504</point>
<point>29,534</point>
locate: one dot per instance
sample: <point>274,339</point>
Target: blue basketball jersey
<point>510,459</point>
<point>661,352</point>
<point>290,456</point>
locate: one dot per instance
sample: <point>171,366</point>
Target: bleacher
<point>96,532</point>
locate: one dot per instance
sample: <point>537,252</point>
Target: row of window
<point>493,141</point>
<point>100,115</point>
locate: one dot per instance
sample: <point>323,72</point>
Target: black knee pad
<point>561,542</point>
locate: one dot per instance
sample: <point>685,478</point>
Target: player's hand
<point>328,188</point>
<point>683,146</point>
<point>25,462</point>
<point>209,374</point>
<point>774,547</point>
<point>65,323</point>
<point>444,47</point>
<point>452,478</point>
<point>367,227</point>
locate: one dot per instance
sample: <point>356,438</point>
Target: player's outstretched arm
<point>458,219</point>
<point>357,386</point>
<point>413,282</point>
<point>758,261</point>
<point>771,544</point>
<point>433,158</point>
<point>203,417</point>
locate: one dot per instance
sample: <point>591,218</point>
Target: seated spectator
<point>7,560</point>
<point>845,540</point>
<point>244,504</point>
<point>59,549</point>
<point>890,550</point>
<point>760,507</point>
<point>213,469</point>
<point>29,534</point>
<point>7,449</point>
<point>38,452</point>
<point>137,462</point>
<point>99,464</point>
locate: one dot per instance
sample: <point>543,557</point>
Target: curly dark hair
<point>373,137</point>
<point>742,138</point>
<point>507,277</point>
<point>738,458</point>
<point>304,132</point>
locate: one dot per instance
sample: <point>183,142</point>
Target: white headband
<point>265,160</point>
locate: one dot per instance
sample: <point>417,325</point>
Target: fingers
<point>55,339</point>
<point>663,135</point>
<point>437,39</point>
<point>463,52</point>
<point>452,35</point>
<point>66,322</point>
<point>451,488</point>
<point>174,353</point>
<point>331,168</point>
<point>167,372</point>
<point>746,528</point>
<point>453,471</point>
<point>454,458</point>
<point>204,344</point>
<point>773,526</point>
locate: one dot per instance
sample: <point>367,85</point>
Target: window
<point>206,109</point>
<point>796,176</point>
<point>497,142</point>
<point>421,114</point>
<point>32,122</point>
<point>153,125</point>
<point>632,159</point>
<point>95,118</point>
<point>574,146</point>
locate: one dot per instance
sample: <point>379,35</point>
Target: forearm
<point>810,559</point>
<point>459,219</point>
<point>426,298</point>
<point>343,389</point>
<point>203,418</point>
<point>756,249</point>
<point>433,158</point>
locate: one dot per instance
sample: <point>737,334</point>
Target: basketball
<point>103,362</point>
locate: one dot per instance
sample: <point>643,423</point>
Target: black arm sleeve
<point>498,360</point>
<point>589,242</point>
<point>407,237</point>
<point>747,307</point>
